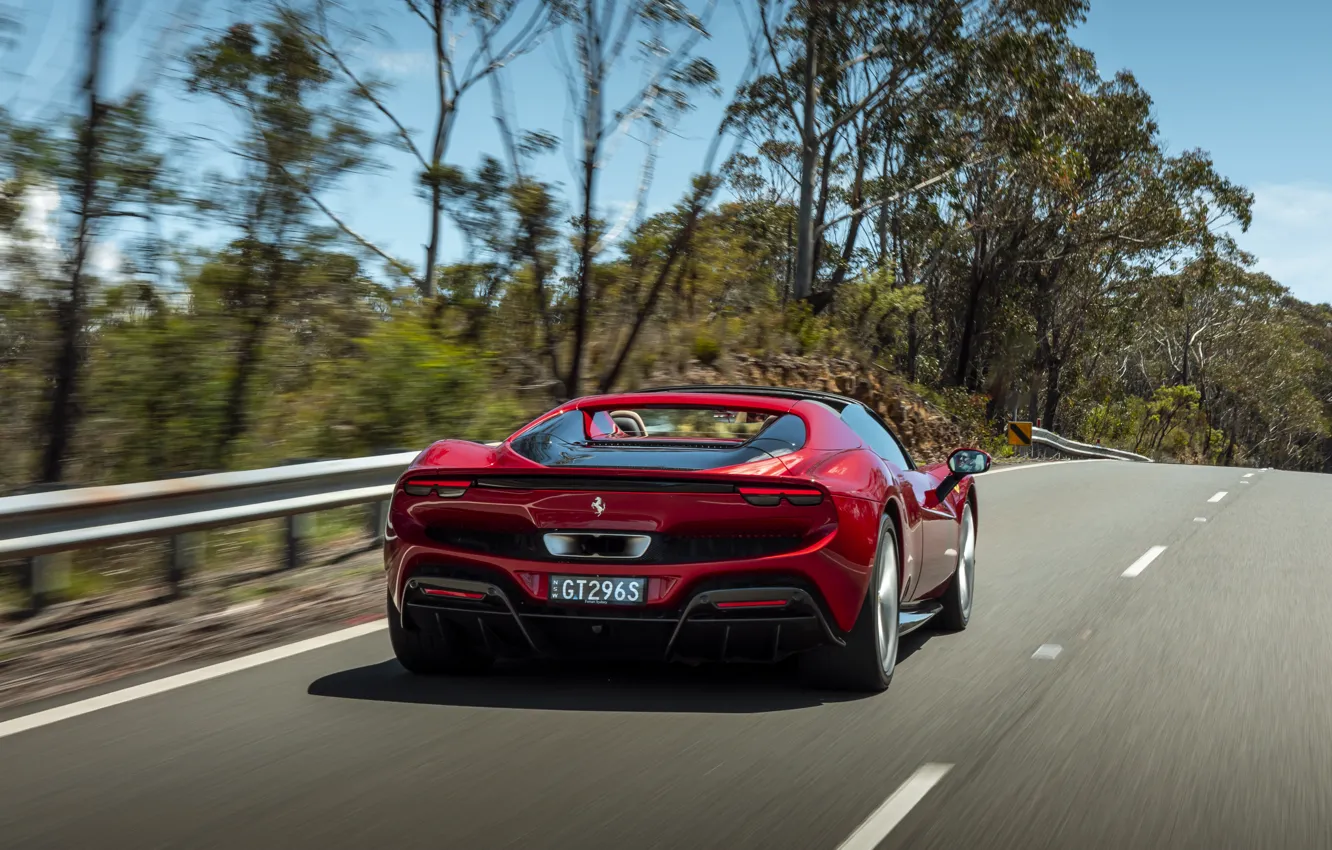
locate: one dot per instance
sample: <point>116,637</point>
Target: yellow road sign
<point>1019,433</point>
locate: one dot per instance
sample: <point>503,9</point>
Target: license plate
<point>598,590</point>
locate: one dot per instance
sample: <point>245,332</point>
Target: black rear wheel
<point>867,661</point>
<point>427,652</point>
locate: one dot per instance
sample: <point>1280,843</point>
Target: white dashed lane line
<point>877,826</point>
<point>1141,564</point>
<point>1219,496</point>
<point>1248,475</point>
<point>1200,519</point>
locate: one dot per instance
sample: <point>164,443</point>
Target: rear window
<point>689,438</point>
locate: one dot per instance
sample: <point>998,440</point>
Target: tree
<point>107,168</point>
<point>301,135</point>
<point>503,34</point>
<point>592,43</point>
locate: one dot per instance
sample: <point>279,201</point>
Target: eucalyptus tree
<point>301,132</point>
<point>593,42</point>
<point>106,166</point>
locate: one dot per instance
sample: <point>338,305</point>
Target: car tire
<point>867,661</point>
<point>958,599</point>
<point>426,652</point>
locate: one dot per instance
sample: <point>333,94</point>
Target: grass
<point>252,592</point>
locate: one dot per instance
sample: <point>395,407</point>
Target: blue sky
<point>1248,83</point>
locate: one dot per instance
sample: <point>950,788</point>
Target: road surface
<point>1185,704</point>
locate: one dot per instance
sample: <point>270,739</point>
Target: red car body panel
<point>836,538</point>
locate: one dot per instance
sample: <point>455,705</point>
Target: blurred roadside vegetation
<point>977,209</point>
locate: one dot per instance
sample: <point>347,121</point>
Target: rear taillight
<point>445,488</point>
<point>768,496</point>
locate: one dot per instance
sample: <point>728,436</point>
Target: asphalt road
<point>1187,706</point>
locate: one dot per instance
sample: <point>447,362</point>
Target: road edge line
<point>181,680</point>
<point>1039,465</point>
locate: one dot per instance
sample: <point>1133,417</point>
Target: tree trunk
<point>591,145</point>
<point>853,228</point>
<point>1184,373</point>
<point>788,281</point>
<point>1041,357</point>
<point>62,416</point>
<point>432,247</point>
<point>809,144</point>
<point>967,342</point>
<point>679,247</point>
<point>906,276</point>
<point>236,417</point>
<point>437,153</point>
<point>913,345</point>
<point>530,248</point>
<point>1229,456</point>
<point>1053,394</point>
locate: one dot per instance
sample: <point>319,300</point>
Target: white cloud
<point>37,228</point>
<point>40,219</point>
<point>107,261</point>
<point>39,225</point>
<point>401,62</point>
<point>1290,237</point>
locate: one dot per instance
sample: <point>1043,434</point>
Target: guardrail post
<point>184,551</point>
<point>299,529</point>
<point>183,557</point>
<point>376,518</point>
<point>45,576</point>
<point>377,512</point>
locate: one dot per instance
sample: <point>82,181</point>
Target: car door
<point>938,527</point>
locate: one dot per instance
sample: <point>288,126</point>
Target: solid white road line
<point>1141,564</point>
<point>1219,496</point>
<point>995,470</point>
<point>170,683</point>
<point>896,807</point>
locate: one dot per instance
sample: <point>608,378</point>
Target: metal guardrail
<point>1048,439</point>
<point>37,528</point>
<point>42,523</point>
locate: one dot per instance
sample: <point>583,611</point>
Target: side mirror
<point>968,462</point>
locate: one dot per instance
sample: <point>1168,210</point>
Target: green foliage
<point>993,220</point>
<point>403,388</point>
<point>706,350</point>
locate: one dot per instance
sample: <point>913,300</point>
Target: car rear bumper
<point>756,619</point>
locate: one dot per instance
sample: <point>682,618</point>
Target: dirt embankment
<point>929,432</point>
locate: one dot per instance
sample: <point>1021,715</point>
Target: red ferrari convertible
<point>701,523</point>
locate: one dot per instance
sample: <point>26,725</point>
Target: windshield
<point>661,438</point>
<point>658,423</point>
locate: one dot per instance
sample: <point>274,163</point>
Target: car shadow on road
<point>598,686</point>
